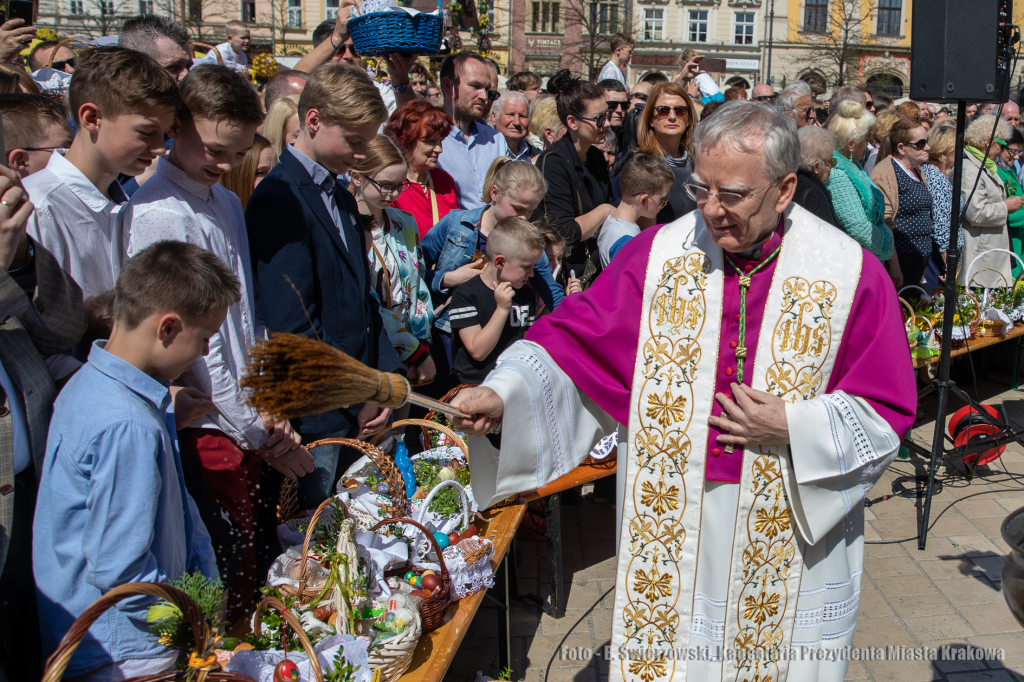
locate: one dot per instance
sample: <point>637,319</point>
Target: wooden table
<point>975,344</point>
<point>436,649</point>
<point>586,473</point>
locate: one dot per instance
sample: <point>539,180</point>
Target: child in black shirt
<point>494,309</point>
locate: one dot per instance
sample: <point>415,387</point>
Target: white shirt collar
<point>315,170</point>
<point>181,179</point>
<point>80,185</point>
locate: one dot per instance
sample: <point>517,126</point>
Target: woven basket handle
<point>428,424</point>
<point>462,494</point>
<point>984,253</point>
<point>310,533</point>
<point>64,42</point>
<point>430,536</point>
<point>58,662</point>
<point>386,466</point>
<point>216,52</point>
<point>927,296</point>
<point>293,622</point>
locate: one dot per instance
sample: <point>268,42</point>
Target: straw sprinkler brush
<point>293,376</point>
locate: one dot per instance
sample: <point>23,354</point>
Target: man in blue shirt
<point>471,146</point>
<point>112,505</point>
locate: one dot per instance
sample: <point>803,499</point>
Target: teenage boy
<point>34,127</point>
<point>112,505</point>
<point>184,201</point>
<point>646,181</point>
<point>312,277</point>
<point>123,102</point>
<point>622,51</point>
<point>234,50</point>
<point>493,310</point>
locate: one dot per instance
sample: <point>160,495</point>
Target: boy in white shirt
<point>621,46</point>
<point>234,50</point>
<point>123,102</point>
<point>184,202</point>
<point>646,181</point>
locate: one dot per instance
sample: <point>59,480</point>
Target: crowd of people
<point>166,216</point>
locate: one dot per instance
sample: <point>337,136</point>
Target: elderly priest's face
<point>739,191</point>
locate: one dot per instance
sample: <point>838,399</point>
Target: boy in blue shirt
<point>112,505</point>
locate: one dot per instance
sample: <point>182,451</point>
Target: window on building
<point>545,17</point>
<point>331,9</point>
<point>76,7</point>
<point>195,10</point>
<point>294,13</point>
<point>249,12</point>
<point>604,17</point>
<point>106,8</point>
<point>145,6</point>
<point>816,16</point>
<point>698,26</point>
<point>654,23</point>
<point>889,14</point>
<point>743,33</point>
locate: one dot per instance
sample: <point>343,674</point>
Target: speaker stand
<point>943,385</point>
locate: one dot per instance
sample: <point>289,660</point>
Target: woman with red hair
<point>419,128</point>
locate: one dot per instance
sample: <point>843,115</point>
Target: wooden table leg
<point>556,607</point>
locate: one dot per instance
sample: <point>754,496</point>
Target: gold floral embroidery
<point>760,608</point>
<point>666,409</point>
<point>772,522</point>
<point>652,585</point>
<point>648,670</point>
<point>660,498</point>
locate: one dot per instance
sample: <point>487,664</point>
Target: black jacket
<point>812,194</point>
<point>291,235</point>
<point>574,188</point>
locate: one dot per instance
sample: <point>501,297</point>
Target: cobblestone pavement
<point>945,596</point>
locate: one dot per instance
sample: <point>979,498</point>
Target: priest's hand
<point>756,418</point>
<point>485,405</point>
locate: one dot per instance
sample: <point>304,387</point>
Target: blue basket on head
<point>379,33</point>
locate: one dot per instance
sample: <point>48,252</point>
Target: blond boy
<point>35,126</point>
<point>234,49</point>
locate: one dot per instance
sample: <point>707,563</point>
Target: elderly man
<point>471,146</point>
<point>797,102</point>
<point>1011,114</point>
<point>771,389</point>
<point>763,93</point>
<point>511,116</point>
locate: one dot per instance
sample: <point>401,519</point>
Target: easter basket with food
<point>966,317</point>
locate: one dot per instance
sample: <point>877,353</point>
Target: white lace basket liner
<point>259,665</point>
<point>364,504</point>
<point>468,578</point>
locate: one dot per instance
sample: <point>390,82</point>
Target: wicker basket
<point>57,663</point>
<point>393,656</point>
<point>973,325</point>
<point>305,592</point>
<point>293,622</point>
<point>380,33</point>
<point>216,52</point>
<point>434,608</point>
<point>432,414</point>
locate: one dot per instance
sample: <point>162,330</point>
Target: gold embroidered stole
<point>672,397</point>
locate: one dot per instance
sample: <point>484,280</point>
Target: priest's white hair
<point>753,128</point>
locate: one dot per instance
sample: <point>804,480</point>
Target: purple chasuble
<point>593,338</point>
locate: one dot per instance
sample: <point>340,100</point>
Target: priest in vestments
<point>758,358</point>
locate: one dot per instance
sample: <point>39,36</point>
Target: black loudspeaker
<point>961,50</point>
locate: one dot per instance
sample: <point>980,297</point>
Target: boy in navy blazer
<point>305,236</point>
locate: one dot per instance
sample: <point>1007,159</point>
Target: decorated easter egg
<point>416,582</point>
<point>446,474</point>
<point>409,576</point>
<point>453,538</point>
<point>286,671</point>
<point>431,582</point>
<point>442,540</point>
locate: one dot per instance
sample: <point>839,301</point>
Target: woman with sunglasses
<point>665,130</point>
<point>1010,150</point>
<point>985,219</point>
<point>908,203</point>
<point>579,189</point>
<point>397,271</point>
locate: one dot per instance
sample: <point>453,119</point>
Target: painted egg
<point>453,538</point>
<point>409,576</point>
<point>446,474</point>
<point>469,532</point>
<point>426,573</point>
<point>286,671</point>
<point>431,582</point>
<point>417,582</point>
<point>442,540</point>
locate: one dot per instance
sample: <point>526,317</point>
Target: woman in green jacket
<point>1011,150</point>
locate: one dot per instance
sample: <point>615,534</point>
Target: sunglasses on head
<point>663,111</point>
<point>642,96</point>
<point>919,145</point>
<point>624,105</point>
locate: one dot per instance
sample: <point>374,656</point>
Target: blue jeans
<point>329,462</point>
